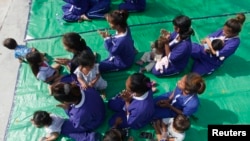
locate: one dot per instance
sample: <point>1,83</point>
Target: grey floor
<point>13,21</point>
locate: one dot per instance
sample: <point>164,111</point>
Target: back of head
<point>86,59</point>
<point>217,44</point>
<point>140,83</point>
<point>112,135</point>
<point>194,83</point>
<point>235,24</point>
<point>34,59</point>
<point>42,118</point>
<point>159,44</point>
<point>65,92</point>
<point>10,43</point>
<point>184,24</point>
<point>181,123</point>
<point>74,41</point>
<point>118,17</point>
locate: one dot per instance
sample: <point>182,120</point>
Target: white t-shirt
<point>171,133</point>
<point>45,71</point>
<point>56,124</point>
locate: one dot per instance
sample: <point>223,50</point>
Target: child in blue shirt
<point>20,50</point>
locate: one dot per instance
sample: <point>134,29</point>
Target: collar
<point>143,97</point>
<point>82,100</point>
<point>121,35</point>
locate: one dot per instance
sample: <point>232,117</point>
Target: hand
<point>63,105</point>
<point>84,86</point>
<point>62,61</point>
<point>104,34</point>
<point>126,96</point>
<point>118,121</point>
<point>164,103</point>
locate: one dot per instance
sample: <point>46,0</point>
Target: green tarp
<point>225,101</point>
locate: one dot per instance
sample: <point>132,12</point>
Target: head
<point>34,59</point>
<point>138,83</point>
<point>159,44</point>
<point>112,135</point>
<point>182,25</point>
<point>86,60</point>
<point>10,43</point>
<point>41,119</point>
<point>117,19</point>
<point>181,123</point>
<point>66,93</point>
<point>217,44</point>
<point>233,26</point>
<point>192,83</point>
<point>73,42</point>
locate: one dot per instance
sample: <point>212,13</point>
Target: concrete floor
<point>13,21</point>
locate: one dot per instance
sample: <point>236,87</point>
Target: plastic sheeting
<point>225,101</point>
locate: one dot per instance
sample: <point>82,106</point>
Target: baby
<point>153,56</point>
<point>50,122</point>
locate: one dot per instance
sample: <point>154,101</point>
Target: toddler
<point>42,70</point>
<point>20,50</point>
<point>51,123</point>
<point>172,129</point>
<point>88,73</point>
<point>153,56</point>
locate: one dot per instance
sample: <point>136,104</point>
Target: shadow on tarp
<point>210,113</point>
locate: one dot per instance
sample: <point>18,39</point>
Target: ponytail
<point>194,83</point>
<point>235,24</point>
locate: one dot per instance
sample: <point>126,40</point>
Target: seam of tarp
<point>135,25</point>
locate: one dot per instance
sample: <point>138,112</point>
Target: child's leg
<point>150,66</point>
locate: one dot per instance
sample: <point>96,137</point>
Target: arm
<point>83,84</point>
<point>53,136</point>
<point>209,43</point>
<point>92,83</point>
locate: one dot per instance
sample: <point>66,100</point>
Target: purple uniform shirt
<point>205,63</point>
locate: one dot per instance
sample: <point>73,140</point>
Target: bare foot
<point>142,70</point>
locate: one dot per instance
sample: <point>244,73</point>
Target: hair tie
<point>149,85</point>
<point>66,89</point>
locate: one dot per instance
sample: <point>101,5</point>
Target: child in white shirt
<point>172,129</point>
<point>51,123</point>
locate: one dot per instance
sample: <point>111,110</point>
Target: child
<point>42,70</point>
<point>133,5</point>
<point>88,73</point>
<point>183,99</point>
<point>172,129</point>
<point>153,56</point>
<point>116,133</point>
<point>135,105</point>
<point>20,50</point>
<point>50,122</point>
<point>120,46</point>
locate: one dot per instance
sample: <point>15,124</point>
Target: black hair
<point>66,92</point>
<point>139,83</point>
<point>34,59</point>
<point>112,135</point>
<point>42,118</point>
<point>181,123</point>
<point>10,43</point>
<point>184,24</point>
<point>74,41</point>
<point>86,58</point>
<point>217,44</point>
<point>118,17</point>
